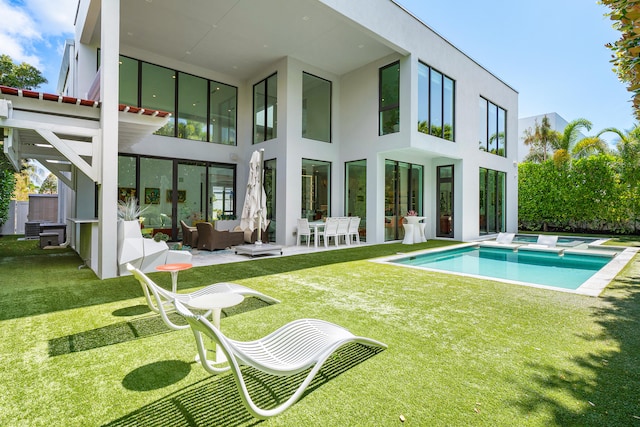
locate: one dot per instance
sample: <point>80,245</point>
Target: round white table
<point>215,303</point>
<point>414,230</point>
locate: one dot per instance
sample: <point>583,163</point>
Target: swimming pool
<point>581,272</point>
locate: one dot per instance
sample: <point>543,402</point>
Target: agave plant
<point>128,210</point>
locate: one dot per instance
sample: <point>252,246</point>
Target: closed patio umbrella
<point>254,212</point>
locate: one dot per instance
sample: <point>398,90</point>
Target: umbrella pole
<point>259,233</point>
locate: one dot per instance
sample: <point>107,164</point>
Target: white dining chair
<point>330,230</point>
<point>304,230</point>
<point>353,234</point>
<point>343,229</point>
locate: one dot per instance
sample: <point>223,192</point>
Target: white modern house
<point>361,109</point>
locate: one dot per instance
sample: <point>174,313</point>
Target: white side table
<point>416,231</point>
<point>215,303</point>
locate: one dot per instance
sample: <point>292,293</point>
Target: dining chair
<point>354,230</point>
<point>303,230</point>
<point>343,229</point>
<point>330,230</point>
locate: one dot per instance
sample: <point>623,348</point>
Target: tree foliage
<point>49,185</point>
<point>541,139</point>
<point>22,76</point>
<point>626,50</point>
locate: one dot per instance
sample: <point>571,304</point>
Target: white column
<point>107,154</point>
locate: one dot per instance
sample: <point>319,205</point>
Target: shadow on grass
<point>133,329</point>
<point>216,401</point>
<point>47,281</point>
<point>156,375</point>
<point>605,385</point>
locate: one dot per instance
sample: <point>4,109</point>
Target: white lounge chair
<point>160,299</point>
<point>503,240</point>
<point>545,241</point>
<point>291,349</point>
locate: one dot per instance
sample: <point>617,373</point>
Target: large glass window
<point>389,100</point>
<point>492,201</point>
<point>191,200</point>
<point>316,182</point>
<point>316,108</point>
<point>200,191</point>
<point>436,103</point>
<point>206,110</point>
<point>356,193</point>
<point>158,93</point>
<point>223,101</point>
<point>270,191</point>
<point>156,184</point>
<point>402,192</point>
<point>192,107</point>
<point>493,131</point>
<point>444,227</point>
<point>128,93</point>
<point>265,109</point>
<point>221,191</point>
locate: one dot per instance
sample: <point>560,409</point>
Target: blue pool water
<point>542,268</point>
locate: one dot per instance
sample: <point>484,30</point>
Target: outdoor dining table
<point>317,227</point>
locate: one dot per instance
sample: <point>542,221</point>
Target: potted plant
<point>130,248</point>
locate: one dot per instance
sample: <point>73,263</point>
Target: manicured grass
<point>78,351</point>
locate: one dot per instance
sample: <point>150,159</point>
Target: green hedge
<point>586,195</point>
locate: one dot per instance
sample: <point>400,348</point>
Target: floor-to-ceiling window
<point>204,110</point>
<point>316,108</point>
<point>172,190</point>
<point>270,192</point>
<point>444,225</point>
<point>191,196</point>
<point>316,182</point>
<point>492,201</point>
<point>389,99</point>
<point>355,203</point>
<point>192,107</point>
<point>158,92</point>
<point>156,185</point>
<point>402,193</point>
<point>265,109</point>
<point>221,191</point>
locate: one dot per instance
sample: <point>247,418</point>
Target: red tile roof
<point>26,93</point>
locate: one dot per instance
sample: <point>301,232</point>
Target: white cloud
<point>34,22</point>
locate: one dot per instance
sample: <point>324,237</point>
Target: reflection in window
<point>195,96</point>
<point>223,100</point>
<point>389,101</point>
<point>402,192</point>
<point>128,93</point>
<point>493,131</point>
<point>156,183</point>
<point>265,111</point>
<point>316,108</point>
<point>270,191</point>
<point>436,106</point>
<point>316,181</point>
<point>221,191</point>
<point>492,201</point>
<point>192,107</point>
<point>158,93</point>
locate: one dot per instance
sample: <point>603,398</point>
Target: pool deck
<point>592,287</point>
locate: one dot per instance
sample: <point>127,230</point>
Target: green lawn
<point>77,351</point>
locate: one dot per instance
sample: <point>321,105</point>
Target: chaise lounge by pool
<point>585,272</point>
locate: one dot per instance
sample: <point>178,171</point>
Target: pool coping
<point>591,287</point>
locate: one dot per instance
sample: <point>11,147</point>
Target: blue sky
<point>552,52</point>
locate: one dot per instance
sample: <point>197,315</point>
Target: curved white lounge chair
<point>160,299</point>
<point>293,348</point>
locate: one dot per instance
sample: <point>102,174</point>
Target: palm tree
<point>588,146</point>
<point>542,139</point>
<point>568,138</point>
